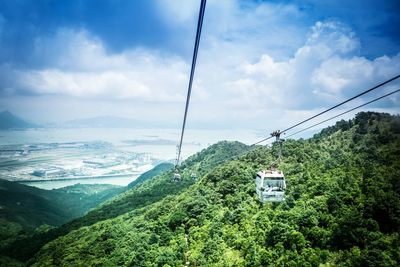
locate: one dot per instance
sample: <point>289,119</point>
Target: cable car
<point>270,186</point>
<point>193,176</point>
<point>176,177</point>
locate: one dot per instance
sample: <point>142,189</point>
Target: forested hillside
<point>27,210</point>
<point>342,208</point>
<point>161,186</point>
<point>160,168</point>
<point>145,191</point>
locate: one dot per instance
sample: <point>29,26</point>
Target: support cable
<point>350,110</point>
<point>344,102</point>
<point>196,48</point>
<point>335,106</point>
<point>251,147</point>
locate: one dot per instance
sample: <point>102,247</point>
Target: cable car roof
<point>271,173</point>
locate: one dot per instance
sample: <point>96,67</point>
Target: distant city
<point>57,161</point>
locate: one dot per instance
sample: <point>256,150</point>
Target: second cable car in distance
<point>177,177</point>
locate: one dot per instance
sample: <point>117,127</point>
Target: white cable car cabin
<point>270,186</point>
<point>177,177</point>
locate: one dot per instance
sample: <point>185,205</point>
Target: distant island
<point>9,121</point>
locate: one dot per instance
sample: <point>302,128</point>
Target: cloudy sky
<point>261,64</point>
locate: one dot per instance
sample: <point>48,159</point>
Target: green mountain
<point>160,168</point>
<point>10,121</point>
<point>26,209</point>
<point>143,191</point>
<point>342,207</point>
<point>31,207</point>
<point>159,187</point>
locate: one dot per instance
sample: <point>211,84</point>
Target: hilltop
<point>10,121</point>
<point>342,208</point>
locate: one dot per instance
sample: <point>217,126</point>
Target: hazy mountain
<point>112,122</point>
<point>31,207</point>
<point>10,121</point>
<point>25,210</point>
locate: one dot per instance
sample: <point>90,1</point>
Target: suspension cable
<point>335,106</point>
<point>196,48</point>
<point>344,102</point>
<point>251,147</point>
<point>350,110</point>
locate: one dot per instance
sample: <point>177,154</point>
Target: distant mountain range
<point>31,207</point>
<point>10,121</point>
<point>111,122</point>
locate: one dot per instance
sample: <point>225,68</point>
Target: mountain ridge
<point>9,121</point>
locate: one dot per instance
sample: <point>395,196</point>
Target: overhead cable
<point>350,110</point>
<point>331,118</point>
<point>196,48</point>
<point>335,106</point>
<point>344,102</point>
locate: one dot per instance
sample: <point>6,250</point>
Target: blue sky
<point>259,61</point>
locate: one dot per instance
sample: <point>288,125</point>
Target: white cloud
<point>234,25</point>
<point>330,38</point>
<point>80,66</point>
<point>253,68</point>
<point>342,77</point>
<point>325,69</point>
<point>336,73</point>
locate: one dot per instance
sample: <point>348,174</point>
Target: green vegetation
<point>342,208</point>
<point>159,187</point>
<point>26,210</point>
<point>31,207</point>
<point>160,168</point>
<point>147,192</point>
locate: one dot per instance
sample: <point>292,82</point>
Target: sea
<point>160,144</point>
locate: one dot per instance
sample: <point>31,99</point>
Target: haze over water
<point>159,144</point>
